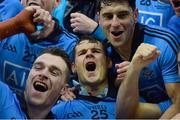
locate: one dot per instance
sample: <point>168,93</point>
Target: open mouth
<point>33,4</point>
<point>90,66</point>
<point>40,86</point>
<point>176,3</point>
<point>117,33</point>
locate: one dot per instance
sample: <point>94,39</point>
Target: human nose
<point>89,53</point>
<point>43,74</point>
<point>115,21</point>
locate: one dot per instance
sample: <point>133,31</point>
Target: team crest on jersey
<point>153,93</point>
<point>152,18</point>
<point>15,75</point>
<point>148,74</point>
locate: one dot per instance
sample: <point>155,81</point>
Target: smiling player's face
<point>118,22</point>
<point>46,79</point>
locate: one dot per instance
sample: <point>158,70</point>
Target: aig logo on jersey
<point>150,18</point>
<point>15,75</point>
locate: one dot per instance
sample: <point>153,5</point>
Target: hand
<point>177,116</point>
<point>68,93</point>
<point>121,72</point>
<point>145,54</point>
<point>80,23</point>
<point>21,23</point>
<point>44,18</point>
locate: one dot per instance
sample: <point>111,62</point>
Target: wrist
<point>56,30</point>
<point>135,67</point>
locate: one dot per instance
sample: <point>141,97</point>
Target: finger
<point>71,95</point>
<point>43,17</point>
<point>149,53</point>
<point>73,25</point>
<point>75,15</point>
<point>122,70</point>
<point>32,8</point>
<point>64,98</point>
<point>121,75</point>
<point>76,29</point>
<point>123,64</point>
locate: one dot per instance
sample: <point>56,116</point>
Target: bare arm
<point>20,23</point>
<point>128,105</point>
<point>173,90</point>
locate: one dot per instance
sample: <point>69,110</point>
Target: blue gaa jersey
<point>17,55</point>
<point>86,107</point>
<point>9,104</point>
<point>154,12</point>
<point>174,25</point>
<point>163,70</point>
<point>9,9</point>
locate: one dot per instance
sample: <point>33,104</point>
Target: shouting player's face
<point>91,63</point>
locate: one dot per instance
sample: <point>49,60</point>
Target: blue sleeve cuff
<point>99,34</point>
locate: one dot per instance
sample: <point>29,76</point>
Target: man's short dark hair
<point>58,52</point>
<point>132,3</point>
<point>91,40</point>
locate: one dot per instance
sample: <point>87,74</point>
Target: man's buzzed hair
<point>132,3</point>
<point>58,52</point>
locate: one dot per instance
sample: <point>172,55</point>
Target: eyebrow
<point>99,49</point>
<point>52,66</point>
<point>93,48</point>
<point>56,68</point>
<point>35,63</point>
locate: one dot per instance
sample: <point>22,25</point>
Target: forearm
<point>173,90</point>
<point>99,34</point>
<point>128,94</point>
<point>21,23</point>
<point>170,112</point>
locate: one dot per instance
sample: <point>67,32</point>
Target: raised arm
<point>20,23</point>
<point>128,105</point>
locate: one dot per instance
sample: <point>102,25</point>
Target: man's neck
<point>124,52</point>
<point>36,112</point>
<point>99,90</point>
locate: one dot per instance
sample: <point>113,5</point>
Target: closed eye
<point>96,50</point>
<point>82,52</point>
<point>55,71</point>
<point>38,66</point>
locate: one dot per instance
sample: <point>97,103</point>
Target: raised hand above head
<point>23,22</point>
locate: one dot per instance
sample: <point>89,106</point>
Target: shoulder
<point>174,24</point>
<point>161,36</point>
<point>68,35</point>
